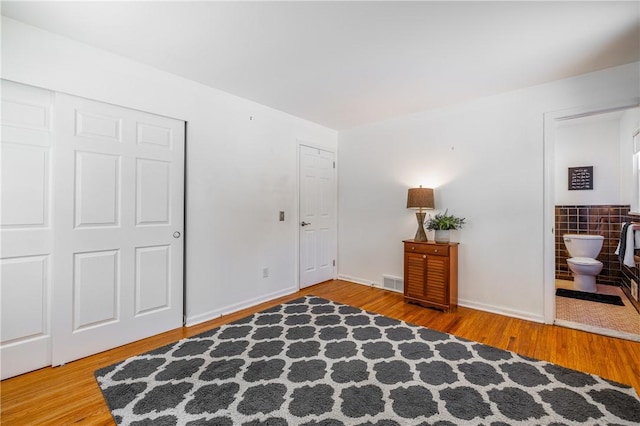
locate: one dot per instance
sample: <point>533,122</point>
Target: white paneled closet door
<point>91,224</point>
<point>26,235</point>
<point>118,218</point>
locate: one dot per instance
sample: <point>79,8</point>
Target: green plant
<point>444,222</point>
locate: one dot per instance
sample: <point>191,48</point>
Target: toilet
<point>584,249</point>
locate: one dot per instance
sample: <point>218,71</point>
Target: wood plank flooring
<point>70,395</point>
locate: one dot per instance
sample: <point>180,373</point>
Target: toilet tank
<point>583,245</point>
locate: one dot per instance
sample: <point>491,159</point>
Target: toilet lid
<point>584,261</point>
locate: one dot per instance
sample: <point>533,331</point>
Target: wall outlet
<point>281,216</point>
<point>265,272</point>
<point>634,290</point>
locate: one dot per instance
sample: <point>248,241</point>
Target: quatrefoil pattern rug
<point>317,362</point>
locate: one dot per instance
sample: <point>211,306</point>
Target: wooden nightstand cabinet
<point>431,274</point>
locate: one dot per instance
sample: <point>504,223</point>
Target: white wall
<point>485,160</point>
<point>240,171</point>
<point>589,142</point>
<point>629,188</point>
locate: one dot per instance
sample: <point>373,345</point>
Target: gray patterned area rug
<point>316,362</point>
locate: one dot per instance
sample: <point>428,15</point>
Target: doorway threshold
<point>598,330</point>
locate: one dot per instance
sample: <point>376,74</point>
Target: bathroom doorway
<point>591,178</point>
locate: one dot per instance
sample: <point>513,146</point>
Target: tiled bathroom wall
<point>602,220</point>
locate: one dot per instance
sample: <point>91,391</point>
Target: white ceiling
<point>343,64</point>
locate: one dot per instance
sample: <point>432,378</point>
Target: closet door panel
<point>26,234</point>
<point>119,214</point>
<point>91,227</point>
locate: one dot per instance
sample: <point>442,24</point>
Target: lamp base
<point>421,235</point>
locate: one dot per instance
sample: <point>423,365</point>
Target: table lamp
<point>420,198</point>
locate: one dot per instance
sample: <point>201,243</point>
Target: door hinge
<point>334,164</point>
<point>334,262</point>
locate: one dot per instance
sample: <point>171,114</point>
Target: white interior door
<point>317,216</point>
<point>118,219</point>
<point>26,235</point>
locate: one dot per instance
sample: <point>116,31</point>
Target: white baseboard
<point>466,303</point>
<point>197,319</point>
<point>368,283</point>
<point>217,313</point>
<point>501,311</point>
<point>357,280</point>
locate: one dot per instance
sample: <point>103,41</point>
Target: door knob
<point>304,223</point>
<point>176,234</point>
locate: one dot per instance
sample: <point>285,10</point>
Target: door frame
<point>548,229</point>
<point>300,143</point>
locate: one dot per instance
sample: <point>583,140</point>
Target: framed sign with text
<point>580,178</point>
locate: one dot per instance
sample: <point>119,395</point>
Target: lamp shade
<point>420,198</point>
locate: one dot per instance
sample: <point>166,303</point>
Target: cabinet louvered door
<point>437,279</point>
<point>415,275</point>
<point>431,274</point>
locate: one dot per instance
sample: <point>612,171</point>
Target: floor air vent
<point>393,283</point>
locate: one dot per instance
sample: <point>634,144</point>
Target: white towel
<point>630,245</point>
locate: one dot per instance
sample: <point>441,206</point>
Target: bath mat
<point>312,361</point>
<point>610,299</point>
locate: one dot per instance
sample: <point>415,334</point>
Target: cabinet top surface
<point>430,243</point>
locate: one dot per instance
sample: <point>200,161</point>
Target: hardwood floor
<point>70,395</point>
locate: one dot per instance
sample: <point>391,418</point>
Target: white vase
<point>442,236</point>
